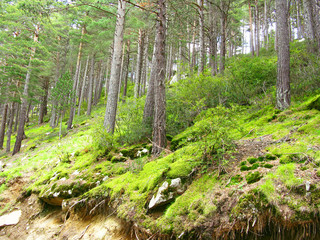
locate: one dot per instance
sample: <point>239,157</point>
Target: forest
<point>159,119</point>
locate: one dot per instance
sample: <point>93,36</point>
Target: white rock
<point>10,219</point>
<point>175,183</point>
<point>56,194</point>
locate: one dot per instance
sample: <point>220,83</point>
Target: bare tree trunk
<point>17,118</point>
<point>97,84</point>
<point>201,37</point>
<point>91,76</point>
<point>107,79</point>
<point>112,103</point>
<point>139,63</point>
<point>251,30</point>
<point>84,81</point>
<point>313,22</point>
<point>44,100</point>
<point>3,124</point>
<point>148,111</point>
<point>299,27</point>
<point>283,78</point>
<point>144,67</point>
<point>266,26</point>
<point>223,38</point>
<point>75,80</point>
<point>257,28</point>
<point>126,72</point>
<point>20,133</point>
<point>159,124</point>
<point>213,40</point>
<point>9,131</point>
<point>193,60</point>
<point>121,70</point>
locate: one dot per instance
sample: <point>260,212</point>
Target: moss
<point>285,173</point>
<point>31,147</point>
<point>245,168</point>
<point>269,156</point>
<point>255,166</point>
<point>235,180</point>
<point>253,177</point>
<point>252,160</point>
<point>243,163</point>
<point>267,165</point>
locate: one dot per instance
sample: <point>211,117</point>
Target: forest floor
<point>243,172</point>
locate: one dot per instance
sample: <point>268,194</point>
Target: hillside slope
<point>239,171</point>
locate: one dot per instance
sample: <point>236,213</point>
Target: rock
<point>166,193</point>
<point>10,219</point>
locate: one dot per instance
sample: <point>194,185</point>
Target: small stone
<point>10,219</point>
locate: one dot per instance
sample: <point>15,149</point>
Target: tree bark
<point>257,28</point>
<point>223,20</point>
<point>283,77</point>
<point>24,105</point>
<point>212,40</point>
<point>313,22</point>
<point>3,124</point>
<point>76,79</point>
<point>144,67</point>
<point>251,29</point>
<point>148,111</point>
<point>84,82</point>
<point>44,100</point>
<point>112,102</point>
<point>201,37</point>
<point>139,63</point>
<point>126,71</point>
<point>9,131</point>
<point>159,124</point>
<point>91,76</point>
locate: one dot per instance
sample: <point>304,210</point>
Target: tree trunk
<point>9,131</point>
<point>159,124</point>
<point>3,124</point>
<point>251,29</point>
<point>148,111</point>
<point>144,67</point>
<point>17,118</point>
<point>84,82</point>
<point>283,77</point>
<point>223,38</point>
<point>213,40</point>
<point>139,63</point>
<point>24,105</point>
<point>313,22</point>
<point>91,76</point>
<point>125,75</point>
<point>201,37</point>
<point>257,28</point>
<point>75,80</point>
<point>112,103</point>
<point>44,100</point>
<point>266,26</point>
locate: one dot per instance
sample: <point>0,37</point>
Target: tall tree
<point>159,124</point>
<point>112,102</point>
<point>283,50</point>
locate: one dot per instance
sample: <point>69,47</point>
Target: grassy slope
<point>292,155</point>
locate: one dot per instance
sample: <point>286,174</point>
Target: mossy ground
<point>232,160</point>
